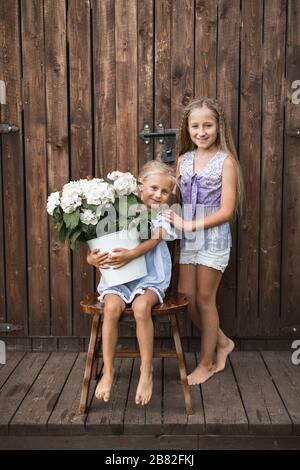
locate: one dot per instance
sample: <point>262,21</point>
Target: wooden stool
<point>173,304</point>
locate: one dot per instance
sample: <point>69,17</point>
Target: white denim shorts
<point>213,259</point>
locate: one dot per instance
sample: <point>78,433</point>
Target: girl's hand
<point>122,257</point>
<point>177,221</point>
<point>97,259</point>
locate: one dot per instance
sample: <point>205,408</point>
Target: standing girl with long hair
<point>209,177</point>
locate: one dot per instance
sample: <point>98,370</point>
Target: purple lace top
<point>203,190</point>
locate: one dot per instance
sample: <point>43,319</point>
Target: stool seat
<point>90,305</point>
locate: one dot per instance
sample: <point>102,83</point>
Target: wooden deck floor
<point>258,394</point>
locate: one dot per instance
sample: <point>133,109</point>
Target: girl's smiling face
<point>156,190</point>
<point>203,127</point>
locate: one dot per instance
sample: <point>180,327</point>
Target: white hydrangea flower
<point>88,217</point>
<point>97,192</point>
<point>71,196</point>
<point>125,184</point>
<point>114,175</point>
<point>52,202</point>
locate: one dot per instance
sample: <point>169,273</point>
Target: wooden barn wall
<point>83,77</point>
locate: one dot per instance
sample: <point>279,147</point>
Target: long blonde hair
<point>224,139</point>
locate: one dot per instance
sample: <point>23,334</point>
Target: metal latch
<point>8,129</point>
<point>8,327</point>
<point>293,133</point>
<point>164,136</point>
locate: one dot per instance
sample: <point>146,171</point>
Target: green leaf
<point>74,238</point>
<point>62,234</point>
<point>72,220</point>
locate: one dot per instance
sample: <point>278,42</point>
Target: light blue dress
<point>159,268</point>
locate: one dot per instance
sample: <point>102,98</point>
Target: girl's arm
<point>224,214</point>
<point>123,255</point>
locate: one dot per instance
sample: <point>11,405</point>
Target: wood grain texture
<point>18,385</point>
<point>33,57</point>
<point>162,67</point>
<point>271,167</point>
<point>43,395</point>
<point>13,221</point>
<point>256,396</point>
<point>229,21</point>
<point>104,89</point>
<point>145,25</point>
<point>182,58</point>
<point>290,293</point>
<point>83,77</point>
<point>80,138</point>
<point>2,248</point>
<point>264,408</point>
<point>206,26</point>
<point>249,152</point>
<point>57,159</point>
<point>126,84</point>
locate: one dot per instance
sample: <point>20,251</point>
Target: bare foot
<point>200,374</point>
<point>144,388</point>
<point>222,353</point>
<point>104,386</point>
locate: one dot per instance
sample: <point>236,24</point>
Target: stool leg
<point>181,364</point>
<point>96,356</point>
<point>89,365</point>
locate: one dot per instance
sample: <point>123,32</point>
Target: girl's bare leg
<point>142,307</point>
<point>208,280</point>
<point>188,286</point>
<point>113,308</point>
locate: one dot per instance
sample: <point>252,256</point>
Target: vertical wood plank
<point>271,170</point>
<point>291,188</point>
<point>58,159</point>
<point>104,91</point>
<point>182,77</point>
<point>249,151</point>
<point>182,66</point>
<point>145,76</point>
<point>206,24</point>
<point>228,94</point>
<point>162,66</point>
<point>36,166</point>
<point>126,84</point>
<point>14,222</point>
<point>81,138</point>
<point>2,240</point>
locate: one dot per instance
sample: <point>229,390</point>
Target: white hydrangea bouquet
<point>105,214</point>
<point>89,208</point>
